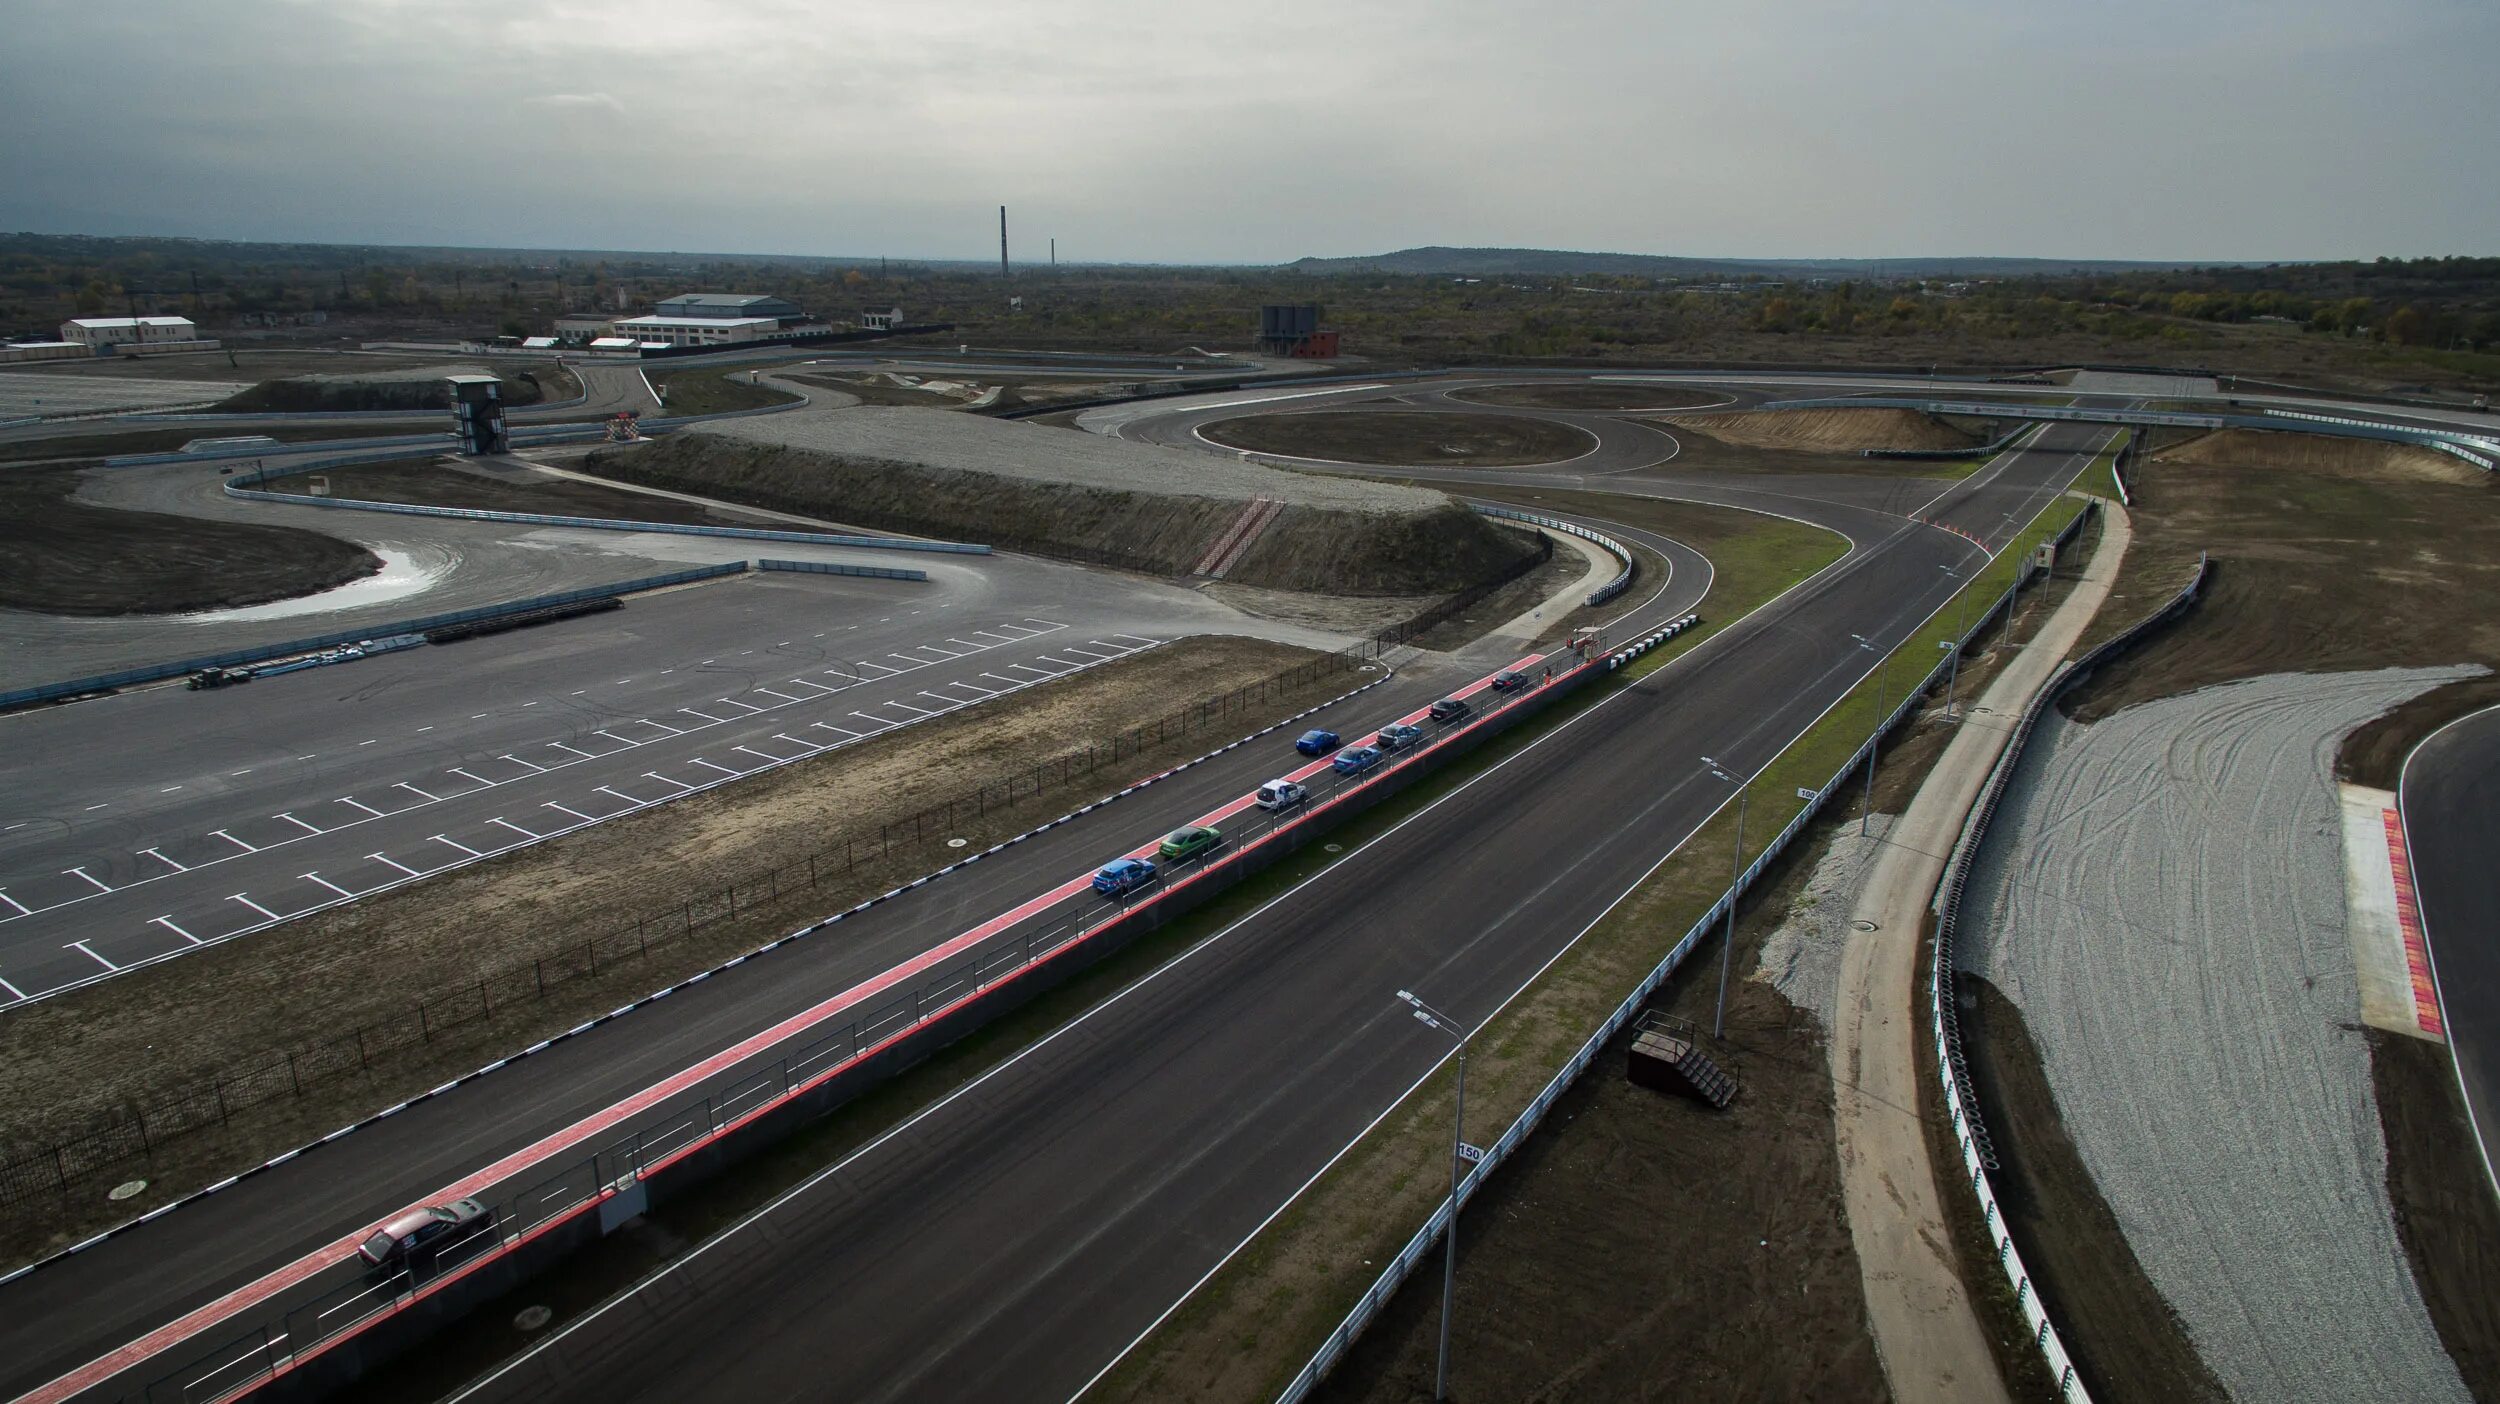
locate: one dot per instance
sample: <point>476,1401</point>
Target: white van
<point>1278,795</point>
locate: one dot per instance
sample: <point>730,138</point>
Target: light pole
<point>1875,738</point>
<point>1736,871</point>
<point>1426,1014</point>
<point>1961,631</point>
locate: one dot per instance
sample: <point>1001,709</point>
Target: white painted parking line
<point>585,755</point>
<point>752,709</point>
<point>404,785</point>
<point>438,838</point>
<point>836,730</point>
<point>620,794</point>
<point>516,760</point>
<point>906,706</point>
<point>946,704</point>
<point>364,743</point>
<point>1029,668</point>
<point>14,991</point>
<point>169,789</point>
<point>707,765</point>
<point>970,687</point>
<point>255,906</point>
<point>680,784</point>
<point>881,669</point>
<point>882,723</point>
<point>551,804</point>
<point>455,770</point>
<point>603,731</point>
<point>769,757</point>
<point>83,949</point>
<point>1011,682</point>
<point>1063,663</point>
<point>671,730</point>
<point>499,819</point>
<point>325,882</point>
<point>385,858</point>
<point>708,720</point>
<point>768,692</point>
<point>220,833</point>
<point>168,923</point>
<point>301,824</point>
<point>360,804</point>
<point>161,858</point>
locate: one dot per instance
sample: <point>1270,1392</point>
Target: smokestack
<point>1002,242</point>
<point>1054,253</point>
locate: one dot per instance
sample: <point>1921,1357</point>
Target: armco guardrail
<point>2472,448</point>
<point>1978,1153</point>
<point>836,568</point>
<point>155,671</point>
<point>1403,1263</point>
<point>239,487</point>
<point>1603,593</point>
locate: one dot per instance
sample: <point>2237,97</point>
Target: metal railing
<point>836,568</point>
<point>1961,1101</point>
<point>1402,1264</point>
<point>1603,593</point>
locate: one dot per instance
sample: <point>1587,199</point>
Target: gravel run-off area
<point>2162,896</point>
<point>1801,959</point>
<point>971,443</point>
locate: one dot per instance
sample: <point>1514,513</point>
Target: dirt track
<point>1827,430</point>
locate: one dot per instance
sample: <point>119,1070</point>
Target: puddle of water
<point>402,575</point>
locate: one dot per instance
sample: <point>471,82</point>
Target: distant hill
<point>1562,263</point>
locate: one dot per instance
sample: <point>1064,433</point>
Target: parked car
<point>1398,737</point>
<point>1122,876</point>
<point>415,1238</point>
<point>1188,841</point>
<point>1278,795</point>
<point>1354,760</point>
<point>1316,742</point>
<point>1448,709</point>
<point>1510,680</point>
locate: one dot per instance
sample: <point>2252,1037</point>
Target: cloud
<point>576,100</point>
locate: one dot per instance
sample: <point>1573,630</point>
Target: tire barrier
<point>1961,1102</point>
<point>1648,641</point>
<point>1368,1307</point>
<point>1603,593</point>
<point>154,672</point>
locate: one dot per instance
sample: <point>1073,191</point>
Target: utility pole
<point>1736,872</point>
<point>1875,738</point>
<point>1427,1015</point>
<point>1003,274</point>
<point>1054,253</point>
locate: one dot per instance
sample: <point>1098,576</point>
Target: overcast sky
<point>1261,132</point>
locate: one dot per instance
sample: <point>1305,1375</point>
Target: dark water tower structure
<point>1292,329</point>
<point>477,414</point>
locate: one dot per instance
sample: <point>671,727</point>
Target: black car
<point>1447,710</point>
<point>1509,681</point>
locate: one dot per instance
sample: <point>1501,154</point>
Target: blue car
<point>1354,760</point>
<point>1121,876</point>
<point>1316,742</point>
<point>1398,737</point>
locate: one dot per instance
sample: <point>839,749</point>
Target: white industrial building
<point>136,332</point>
<point>698,331</point>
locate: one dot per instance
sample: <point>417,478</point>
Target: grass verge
<point>1389,437</point>
<point>302,990</point>
<point>442,482</point>
<point>109,445</point>
<point>1246,1332</point>
<point>710,390</point>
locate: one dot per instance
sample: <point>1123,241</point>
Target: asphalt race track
<point>2452,827</point>
<point>1011,1241</point>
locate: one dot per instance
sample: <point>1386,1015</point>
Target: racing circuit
<point>1099,1175</point>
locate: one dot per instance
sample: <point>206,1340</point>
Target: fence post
<point>290,1075</point>
<point>425,1033</point>
<point>593,948</point>
<point>485,1005</point>
<point>537,966</point>
<point>360,1045</point>
<point>218,1085</point>
<point>811,870</point>
<point>140,1114</point>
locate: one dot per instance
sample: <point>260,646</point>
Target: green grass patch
<point>710,390</point>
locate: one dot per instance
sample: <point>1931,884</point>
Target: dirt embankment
<point>1828,430</point>
<point>2316,453</point>
<point>325,393</point>
<point>59,555</point>
<point>1403,437</point>
<point>1431,547</point>
<point>491,486</point>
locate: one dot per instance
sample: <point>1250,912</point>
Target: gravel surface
<point>2164,900</point>
<point>971,443</point>
<point>1801,959</point>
